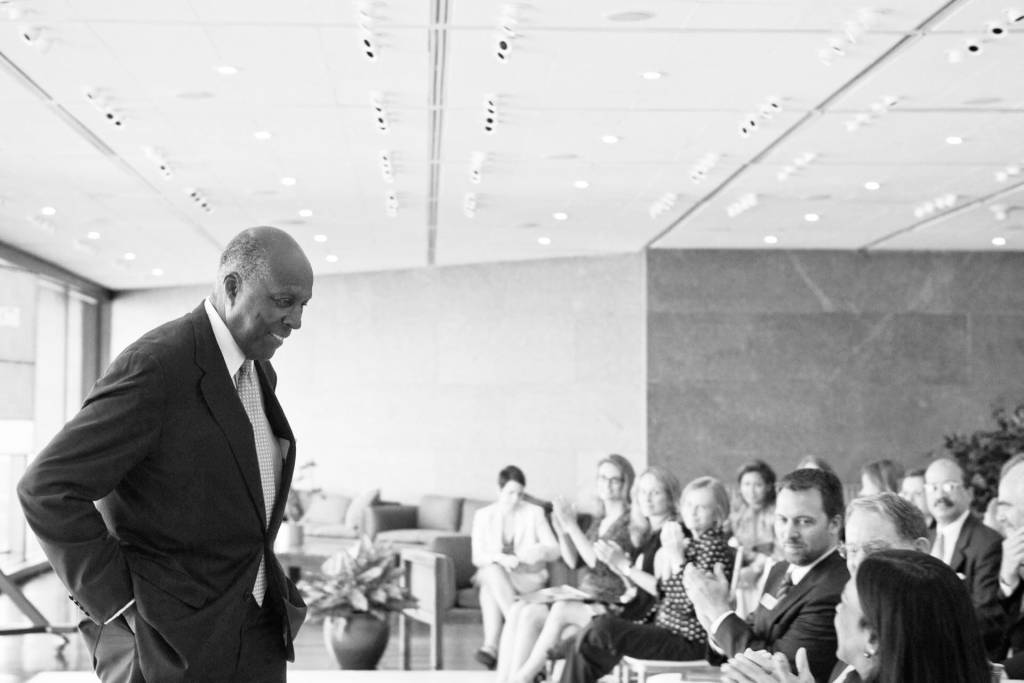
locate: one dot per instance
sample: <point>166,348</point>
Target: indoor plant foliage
<point>982,453</point>
<point>366,577</point>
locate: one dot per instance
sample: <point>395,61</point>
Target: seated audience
<point>676,633</point>
<point>882,521</point>
<point>972,549</point>
<point>904,618</point>
<point>912,489</point>
<point>531,628</point>
<point>880,475</point>
<point>752,523</point>
<point>512,543</point>
<point>798,603</point>
<point>1010,510</point>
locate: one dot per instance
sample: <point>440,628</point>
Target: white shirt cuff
<point>120,612</point>
<point>711,633</point>
<point>1006,589</point>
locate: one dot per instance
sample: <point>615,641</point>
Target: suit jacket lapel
<point>221,398</point>
<point>957,560</point>
<point>279,424</point>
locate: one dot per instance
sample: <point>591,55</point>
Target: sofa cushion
<point>468,597</point>
<point>422,537</point>
<point>469,508</point>
<point>439,512</point>
<point>354,514</point>
<point>326,508</point>
<point>332,530</point>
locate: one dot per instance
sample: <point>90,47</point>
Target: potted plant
<point>982,453</point>
<point>353,592</point>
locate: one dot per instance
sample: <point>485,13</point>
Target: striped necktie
<point>270,466</point>
<point>787,583</point>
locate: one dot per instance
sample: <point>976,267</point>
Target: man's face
<point>944,489</point>
<point>868,532</point>
<point>1010,504</point>
<point>262,313</point>
<point>912,491</point>
<point>801,526</point>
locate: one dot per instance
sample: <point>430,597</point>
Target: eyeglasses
<point>609,480</point>
<point>869,548</point>
<point>945,486</point>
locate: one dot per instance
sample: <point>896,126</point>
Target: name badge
<point>768,601</point>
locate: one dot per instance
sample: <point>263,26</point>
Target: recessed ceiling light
<point>581,184</point>
<point>872,185</point>
<point>305,213</point>
<point>560,216</point>
<point>771,239</point>
<point>319,238</point>
<point>48,211</point>
<point>227,70</point>
<point>288,181</point>
<point>954,140</point>
<point>157,272</point>
<point>263,135</point>
<point>811,217</point>
<point>128,256</point>
<point>999,241</point>
<point>629,16</point>
<point>93,235</point>
<point>652,75</point>
<point>332,258</point>
<point>544,241</point>
<point>609,139</point>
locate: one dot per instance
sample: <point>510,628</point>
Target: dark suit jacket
<point>803,618</point>
<point>165,447</point>
<point>1014,635</point>
<point>976,556</point>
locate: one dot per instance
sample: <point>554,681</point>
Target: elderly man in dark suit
<point>798,604</point>
<point>972,549</point>
<point>159,502</point>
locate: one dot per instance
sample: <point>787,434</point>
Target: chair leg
<point>403,641</point>
<point>436,643</point>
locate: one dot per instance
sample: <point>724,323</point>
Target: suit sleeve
<point>985,593</point>
<point>813,628</point>
<point>115,429</point>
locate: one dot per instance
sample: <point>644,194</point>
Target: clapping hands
<point>763,667</point>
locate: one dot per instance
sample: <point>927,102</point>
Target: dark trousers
<point>607,639</point>
<point>261,657</point>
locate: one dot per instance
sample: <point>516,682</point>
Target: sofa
<point>444,525</point>
<point>337,515</point>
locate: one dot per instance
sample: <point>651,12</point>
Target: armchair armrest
<point>386,517</point>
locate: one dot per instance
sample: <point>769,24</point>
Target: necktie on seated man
<point>270,468</point>
<point>787,583</point>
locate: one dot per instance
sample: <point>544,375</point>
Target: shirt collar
<point>233,356</point>
<point>951,532</point>
<point>796,574</point>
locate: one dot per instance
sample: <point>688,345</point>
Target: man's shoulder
<point>831,573</point>
<point>169,340</point>
<point>981,536</point>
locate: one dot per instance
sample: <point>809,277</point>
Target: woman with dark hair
<point>533,627</point>
<point>879,476</point>
<point>512,543</point>
<point>905,617</point>
<point>753,528</point>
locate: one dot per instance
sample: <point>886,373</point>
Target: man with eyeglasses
<point>882,521</point>
<point>1010,513</point>
<point>961,540</point>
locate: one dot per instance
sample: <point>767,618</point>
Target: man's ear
<point>232,285</point>
<point>923,544</point>
<point>835,525</point>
